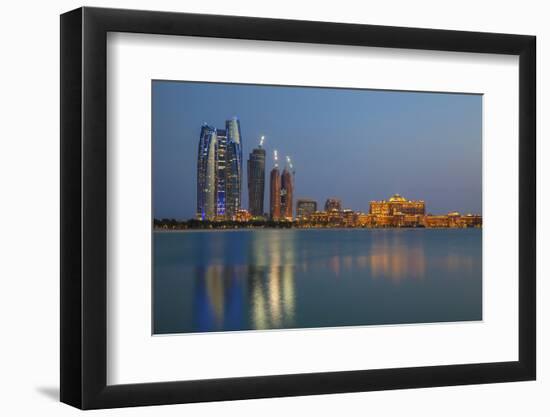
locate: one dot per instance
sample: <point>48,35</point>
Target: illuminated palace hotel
<point>397,211</point>
<point>397,205</point>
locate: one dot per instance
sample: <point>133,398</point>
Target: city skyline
<point>454,190</point>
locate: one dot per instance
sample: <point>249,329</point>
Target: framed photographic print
<point>257,207</point>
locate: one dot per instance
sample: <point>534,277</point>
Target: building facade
<point>287,191</point>
<point>398,204</point>
<point>221,172</point>
<point>305,208</point>
<point>333,204</point>
<point>275,194</point>
<point>206,173</point>
<point>256,181</point>
<point>233,168</point>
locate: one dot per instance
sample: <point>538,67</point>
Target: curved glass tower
<point>221,172</point>
<point>234,157</point>
<point>206,173</point>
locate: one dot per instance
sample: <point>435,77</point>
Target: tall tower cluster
<point>219,178</point>
<point>219,171</point>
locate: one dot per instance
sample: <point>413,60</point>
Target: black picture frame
<point>84,207</point>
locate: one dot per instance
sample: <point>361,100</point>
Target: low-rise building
<point>243,215</point>
<point>436,221</point>
<point>333,204</point>
<point>305,208</point>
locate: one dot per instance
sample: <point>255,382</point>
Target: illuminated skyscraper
<point>256,180</point>
<point>233,167</point>
<point>206,173</point>
<point>287,187</point>
<point>221,172</point>
<point>275,192</point>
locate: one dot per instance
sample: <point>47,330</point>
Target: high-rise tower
<point>256,180</point>
<point>206,173</point>
<point>275,191</point>
<point>287,190</point>
<point>221,171</point>
<point>233,167</point>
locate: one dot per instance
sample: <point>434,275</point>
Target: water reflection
<point>397,263</point>
<point>252,280</point>
<point>388,257</point>
<point>260,295</point>
<point>458,262</point>
<point>218,298</point>
<point>272,297</point>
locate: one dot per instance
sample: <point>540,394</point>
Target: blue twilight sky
<point>357,145</point>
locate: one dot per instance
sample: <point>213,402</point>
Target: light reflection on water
<point>216,281</point>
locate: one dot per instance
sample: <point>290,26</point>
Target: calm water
<point>270,279</point>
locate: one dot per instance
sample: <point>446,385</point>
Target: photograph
<point>297,207</point>
<point>257,205</point>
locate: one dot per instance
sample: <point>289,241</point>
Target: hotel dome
<point>397,198</point>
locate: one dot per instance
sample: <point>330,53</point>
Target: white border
<point>135,356</point>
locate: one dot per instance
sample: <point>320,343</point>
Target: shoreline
<point>345,229</point>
